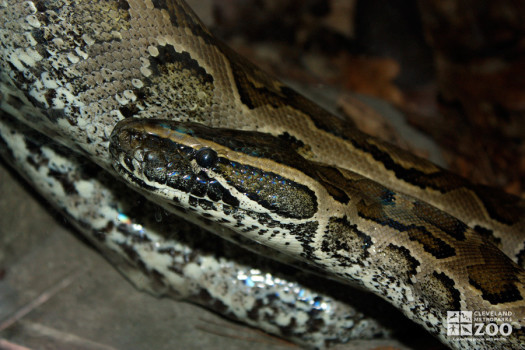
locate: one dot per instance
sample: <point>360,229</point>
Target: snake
<point>166,256</point>
<point>146,92</point>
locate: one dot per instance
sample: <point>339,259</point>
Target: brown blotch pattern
<point>401,262</point>
<point>173,74</point>
<point>497,278</point>
<point>438,218</point>
<point>440,291</point>
<point>501,206</point>
<point>334,182</point>
<point>489,235</point>
<point>431,244</point>
<point>345,242</point>
<point>258,89</point>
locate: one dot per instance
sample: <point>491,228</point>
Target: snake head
<point>156,159</point>
<point>176,160</point>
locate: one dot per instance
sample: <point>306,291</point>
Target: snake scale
<point>262,161</point>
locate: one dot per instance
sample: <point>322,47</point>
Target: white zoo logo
<point>461,323</point>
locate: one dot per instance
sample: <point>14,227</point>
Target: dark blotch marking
<point>445,222</point>
<point>204,298</point>
<point>35,150</point>
<point>133,255</point>
<point>294,142</point>
<point>454,294</point>
<point>123,5</point>
<point>203,203</point>
<point>129,163</point>
<point>160,4</point>
<point>344,242</point>
<point>50,96</point>
<point>101,234</point>
<point>56,114</point>
<point>68,186</point>
<point>249,229</point>
<point>440,291</point>
<point>164,64</point>
<point>32,162</point>
<point>521,258</point>
<point>153,274</point>
<point>193,201</point>
<point>497,278</point>
<point>257,89</point>
<point>387,196</point>
<point>441,181</point>
<point>304,233</point>
<point>176,269</point>
<point>167,63</point>
<point>334,182</point>
<point>376,192</point>
<point>167,54</point>
<point>129,110</point>
<point>500,205</point>
<point>431,244</point>
<point>40,5</point>
<point>168,251</point>
<point>39,35</point>
<point>488,234</point>
<point>401,262</point>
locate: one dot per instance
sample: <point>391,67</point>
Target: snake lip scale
<point>144,90</point>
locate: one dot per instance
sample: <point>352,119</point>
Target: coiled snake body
<point>275,167</point>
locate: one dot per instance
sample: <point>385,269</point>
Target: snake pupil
<point>206,157</point>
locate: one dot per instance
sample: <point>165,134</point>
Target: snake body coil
<point>275,167</point>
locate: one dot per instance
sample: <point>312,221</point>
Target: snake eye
<point>206,157</point>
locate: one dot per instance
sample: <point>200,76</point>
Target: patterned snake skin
<point>72,70</point>
<point>172,257</point>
